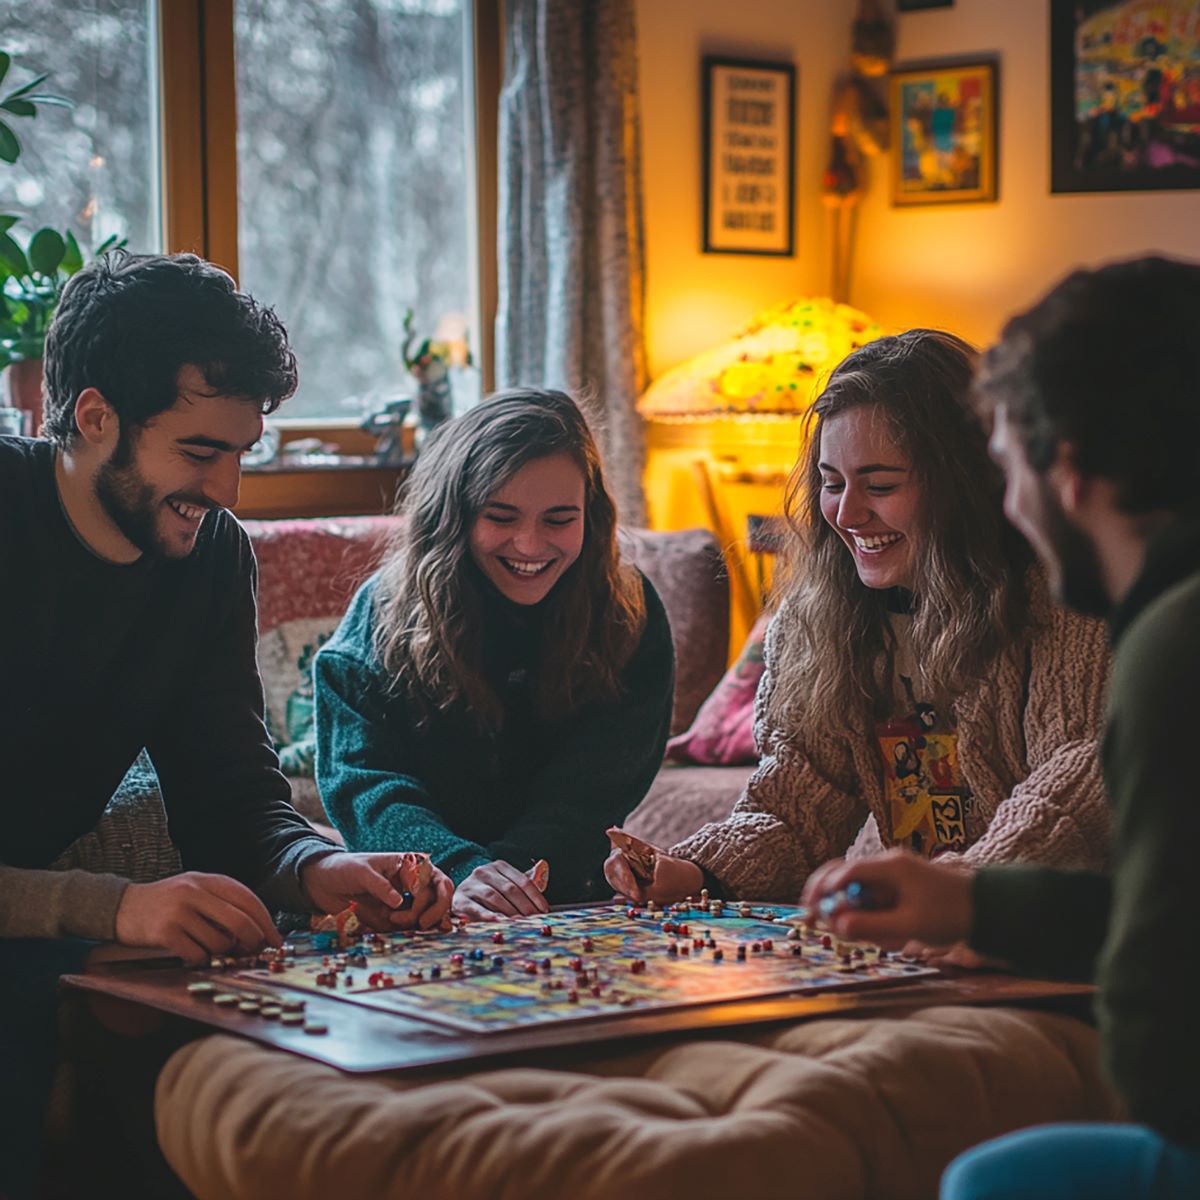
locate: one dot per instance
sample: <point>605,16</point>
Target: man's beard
<point>132,504</point>
<point>1075,568</point>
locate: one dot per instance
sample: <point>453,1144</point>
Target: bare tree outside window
<point>91,168</point>
<point>353,183</point>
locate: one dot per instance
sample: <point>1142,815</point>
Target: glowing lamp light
<point>773,367</point>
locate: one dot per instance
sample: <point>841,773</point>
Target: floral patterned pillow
<point>723,732</point>
<point>285,658</point>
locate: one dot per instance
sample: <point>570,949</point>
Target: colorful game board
<point>589,962</point>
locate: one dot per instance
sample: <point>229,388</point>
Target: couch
<point>308,571</point>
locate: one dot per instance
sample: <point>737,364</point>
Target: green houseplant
<point>31,277</point>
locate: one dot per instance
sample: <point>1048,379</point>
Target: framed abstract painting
<point>944,132</point>
<point>1124,95</point>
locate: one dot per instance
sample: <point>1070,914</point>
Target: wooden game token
<point>271,1012</point>
<point>249,1006</point>
<point>204,990</point>
<point>294,1004</point>
<point>291,1018</point>
<point>225,999</point>
<point>315,1027</point>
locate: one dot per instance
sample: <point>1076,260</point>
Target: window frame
<point>198,131</point>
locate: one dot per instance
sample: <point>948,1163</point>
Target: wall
<point>966,267</point>
<point>963,267</point>
<point>694,300</point>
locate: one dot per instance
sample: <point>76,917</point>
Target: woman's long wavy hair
<point>431,598</point>
<point>834,648</point>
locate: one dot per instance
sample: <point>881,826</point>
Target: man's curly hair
<point>127,323</point>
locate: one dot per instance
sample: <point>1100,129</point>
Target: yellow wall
<point>967,267</point>
<point>694,300</point>
<point>963,267</point>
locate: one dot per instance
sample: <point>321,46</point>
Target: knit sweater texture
<point>1028,745</point>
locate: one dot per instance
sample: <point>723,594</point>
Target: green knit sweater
<point>1132,932</point>
<point>536,789</point>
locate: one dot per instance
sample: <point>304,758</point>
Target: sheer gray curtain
<point>570,239</point>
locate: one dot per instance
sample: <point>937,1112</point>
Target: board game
<point>584,963</point>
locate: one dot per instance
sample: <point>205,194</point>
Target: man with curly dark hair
<point>128,611</point>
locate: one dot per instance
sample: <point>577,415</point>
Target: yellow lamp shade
<point>775,365</point>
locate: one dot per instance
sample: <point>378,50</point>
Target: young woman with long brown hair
<point>500,692</point>
<point>921,689</point>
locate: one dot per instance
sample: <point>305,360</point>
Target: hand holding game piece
<point>911,899</point>
<point>642,872</point>
<point>334,881</point>
<point>497,890</point>
<point>194,916</point>
<point>640,855</point>
<point>540,874</point>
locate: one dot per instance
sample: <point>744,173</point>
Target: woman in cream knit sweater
<point>921,688</point>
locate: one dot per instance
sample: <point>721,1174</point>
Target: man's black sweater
<point>98,660</point>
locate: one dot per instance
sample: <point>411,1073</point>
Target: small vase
<point>23,385</point>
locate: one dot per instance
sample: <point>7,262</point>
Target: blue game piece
<point>477,954</point>
<point>497,960</point>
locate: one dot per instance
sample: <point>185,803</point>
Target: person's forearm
<point>1044,921</point>
<point>53,904</point>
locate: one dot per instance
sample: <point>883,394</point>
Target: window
<point>91,168</point>
<point>323,150</point>
<point>353,187</point>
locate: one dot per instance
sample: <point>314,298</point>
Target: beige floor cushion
<point>834,1110</point>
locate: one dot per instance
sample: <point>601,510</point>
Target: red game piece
<point>546,931</point>
<point>587,943</point>
<point>638,966</point>
<point>497,936</point>
<point>576,964</point>
<point>827,942</point>
<point>573,996</point>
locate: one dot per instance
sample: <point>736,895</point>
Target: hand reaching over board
<point>643,872</point>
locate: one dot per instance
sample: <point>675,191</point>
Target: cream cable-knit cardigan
<point>1028,746</point>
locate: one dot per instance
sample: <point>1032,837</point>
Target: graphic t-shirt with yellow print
<point>926,795</point>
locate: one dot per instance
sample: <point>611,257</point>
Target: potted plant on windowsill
<point>31,282</point>
<point>31,277</point>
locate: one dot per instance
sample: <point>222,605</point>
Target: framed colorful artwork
<point>943,127</point>
<point>749,157</point>
<point>1124,95</point>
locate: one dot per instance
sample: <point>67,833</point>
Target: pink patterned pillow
<point>722,735</point>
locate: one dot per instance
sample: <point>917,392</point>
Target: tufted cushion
<point>688,573</point>
<point>835,1110</point>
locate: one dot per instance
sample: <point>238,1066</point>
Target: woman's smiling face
<point>869,495</point>
<point>531,530</point>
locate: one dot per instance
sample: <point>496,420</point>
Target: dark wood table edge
<point>362,1040</point>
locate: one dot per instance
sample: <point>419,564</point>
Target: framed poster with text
<point>749,157</point>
